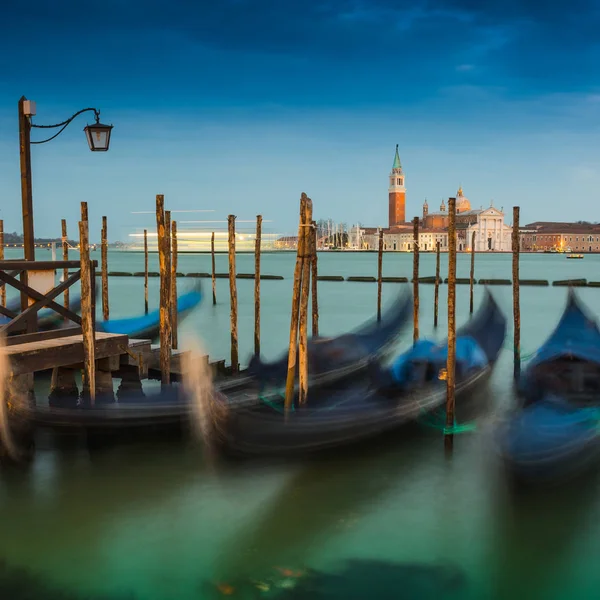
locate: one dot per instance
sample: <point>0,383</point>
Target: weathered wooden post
<point>436,292</point>
<point>214,274</point>
<point>314,281</point>
<point>146,271</point>
<point>516,295</point>
<point>293,347</point>
<point>451,362</point>
<point>233,294</point>
<point>84,213</point>
<point>104,253</point>
<point>303,318</point>
<point>2,286</point>
<point>415,279</point>
<point>89,345</point>
<point>174,340</point>
<point>379,274</point>
<point>165,291</point>
<point>257,285</point>
<point>472,277</point>
<point>65,246</point>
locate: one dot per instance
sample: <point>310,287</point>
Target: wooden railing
<point>13,273</point>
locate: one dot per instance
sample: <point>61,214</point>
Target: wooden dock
<point>35,356</point>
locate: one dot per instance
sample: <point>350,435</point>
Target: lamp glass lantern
<point>98,136</point>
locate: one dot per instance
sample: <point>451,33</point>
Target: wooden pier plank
<point>40,355</point>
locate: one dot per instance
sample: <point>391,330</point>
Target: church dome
<point>462,202</point>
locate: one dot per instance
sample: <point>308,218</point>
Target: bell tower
<point>397,194</point>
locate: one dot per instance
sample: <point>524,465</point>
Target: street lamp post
<point>98,137</point>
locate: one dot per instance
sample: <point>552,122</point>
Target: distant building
<point>396,194</point>
<point>491,233</point>
<point>289,242</point>
<point>542,236</point>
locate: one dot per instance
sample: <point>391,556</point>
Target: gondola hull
<point>263,431</point>
<point>550,441</point>
<point>554,434</point>
<point>147,326</point>
<point>331,359</point>
<point>353,409</point>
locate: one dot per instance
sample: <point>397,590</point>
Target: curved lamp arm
<point>64,124</point>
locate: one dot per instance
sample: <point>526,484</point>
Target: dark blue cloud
<point>352,51</point>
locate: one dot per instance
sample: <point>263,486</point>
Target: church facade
<point>491,233</point>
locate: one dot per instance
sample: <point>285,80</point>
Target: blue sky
<point>239,106</point>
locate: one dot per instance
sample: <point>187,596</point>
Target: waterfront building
<point>547,236</point>
<point>491,233</point>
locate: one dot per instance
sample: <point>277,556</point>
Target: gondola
<point>367,405</point>
<point>48,319</point>
<point>147,326</point>
<point>171,407</point>
<point>330,358</point>
<point>554,434</point>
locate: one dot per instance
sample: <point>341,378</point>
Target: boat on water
<point>173,406</point>
<point>364,404</point>
<point>330,358</point>
<point>554,432</point>
<point>575,256</point>
<point>48,319</point>
<point>147,326</point>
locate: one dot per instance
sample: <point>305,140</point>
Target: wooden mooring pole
<point>257,285</point>
<point>472,276</point>
<point>165,291</point>
<point>293,347</point>
<point>145,271</point>
<point>304,296</point>
<point>436,291</point>
<point>233,295</point>
<point>415,279</point>
<point>2,286</point>
<point>104,256</point>
<point>314,281</point>
<point>451,361</point>
<point>87,323</point>
<point>516,296</point>
<point>174,340</point>
<point>379,274</point>
<point>65,248</point>
<point>214,274</point>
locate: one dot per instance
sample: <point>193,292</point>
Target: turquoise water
<point>159,522</point>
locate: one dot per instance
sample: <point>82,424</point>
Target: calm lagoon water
<point>158,522</point>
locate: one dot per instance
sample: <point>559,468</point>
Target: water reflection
<point>537,535</point>
<point>324,497</point>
